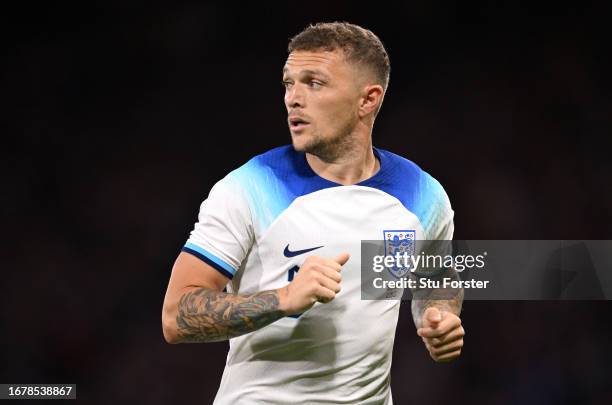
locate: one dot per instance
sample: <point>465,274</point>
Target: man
<point>282,233</point>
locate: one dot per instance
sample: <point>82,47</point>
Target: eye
<point>287,84</point>
<point>315,84</point>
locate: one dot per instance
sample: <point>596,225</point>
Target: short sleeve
<point>223,235</point>
<point>442,228</point>
<point>436,212</point>
<point>438,223</point>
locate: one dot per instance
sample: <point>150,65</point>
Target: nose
<point>294,97</point>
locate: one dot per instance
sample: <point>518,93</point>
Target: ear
<point>371,100</point>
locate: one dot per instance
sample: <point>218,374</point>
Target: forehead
<point>324,61</point>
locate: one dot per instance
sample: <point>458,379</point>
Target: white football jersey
<point>264,219</point>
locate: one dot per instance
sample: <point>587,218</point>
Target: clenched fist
<point>318,280</point>
<point>442,334</point>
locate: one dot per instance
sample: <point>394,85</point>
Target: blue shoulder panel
<point>272,181</point>
<point>418,191</point>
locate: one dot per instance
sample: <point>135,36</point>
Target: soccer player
<point>282,235</point>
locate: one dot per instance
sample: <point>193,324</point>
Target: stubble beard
<point>330,149</point>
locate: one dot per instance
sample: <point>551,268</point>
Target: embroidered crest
<point>400,241</point>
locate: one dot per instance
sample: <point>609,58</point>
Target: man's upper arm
<point>218,243</point>
<point>216,247</point>
<point>223,234</point>
<point>190,271</point>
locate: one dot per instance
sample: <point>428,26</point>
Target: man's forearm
<point>206,315</point>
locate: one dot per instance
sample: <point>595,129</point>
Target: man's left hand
<point>442,334</point>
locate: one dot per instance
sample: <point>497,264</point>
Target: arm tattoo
<point>445,299</point>
<point>206,315</point>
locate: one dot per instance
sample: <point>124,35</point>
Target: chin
<point>300,143</point>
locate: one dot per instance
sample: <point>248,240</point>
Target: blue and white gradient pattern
<point>264,187</point>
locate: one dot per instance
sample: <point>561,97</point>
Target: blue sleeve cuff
<point>210,259</point>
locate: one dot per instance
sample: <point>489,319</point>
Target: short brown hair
<point>359,45</point>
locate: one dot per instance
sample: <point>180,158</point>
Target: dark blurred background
<point>120,116</point>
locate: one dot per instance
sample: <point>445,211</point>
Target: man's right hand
<point>317,280</point>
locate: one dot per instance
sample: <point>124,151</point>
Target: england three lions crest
<point>402,241</point>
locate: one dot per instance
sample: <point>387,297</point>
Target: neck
<point>356,163</point>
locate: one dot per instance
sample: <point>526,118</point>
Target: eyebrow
<point>308,72</point>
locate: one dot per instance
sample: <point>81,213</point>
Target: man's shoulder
<point>413,186</point>
<point>276,155</point>
<point>408,173</point>
<point>279,172</point>
<point>399,163</point>
<point>278,160</point>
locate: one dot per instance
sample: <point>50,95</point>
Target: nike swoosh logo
<point>289,253</point>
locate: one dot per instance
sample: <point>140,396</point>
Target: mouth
<point>297,124</point>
